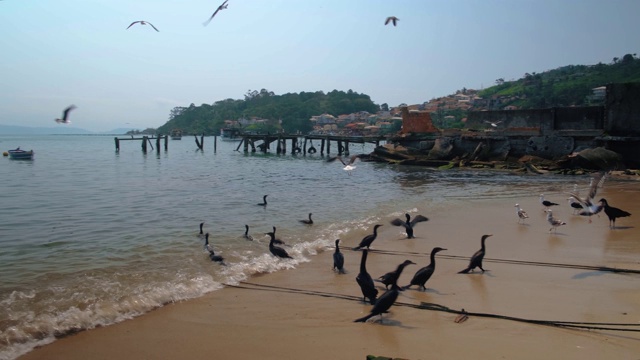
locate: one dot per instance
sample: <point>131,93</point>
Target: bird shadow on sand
<point>587,274</point>
<point>622,227</point>
<point>385,321</point>
<point>552,234</point>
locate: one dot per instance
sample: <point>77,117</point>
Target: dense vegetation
<point>290,111</point>
<point>565,86</point>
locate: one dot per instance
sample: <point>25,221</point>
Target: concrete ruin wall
<point>622,106</point>
<point>417,122</point>
<point>547,120</point>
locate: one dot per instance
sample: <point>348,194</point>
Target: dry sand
<point>240,323</point>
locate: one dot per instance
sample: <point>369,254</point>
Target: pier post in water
<point>328,145</point>
<point>304,147</point>
<point>215,143</point>
<point>144,144</point>
<point>166,142</point>
<point>117,144</point>
<point>322,147</point>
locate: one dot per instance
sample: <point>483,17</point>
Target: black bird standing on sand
<point>65,115</point>
<point>409,224</point>
<point>387,299</point>
<point>392,276</point>
<point>308,222</point>
<point>424,274</point>
<point>476,259</point>
<point>365,281</point>
<point>221,7</point>
<point>264,201</point>
<point>275,250</point>
<point>367,240</point>
<point>143,23</point>
<point>338,259</point>
<point>613,213</point>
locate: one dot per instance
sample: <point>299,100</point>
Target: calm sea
<point>92,237</point>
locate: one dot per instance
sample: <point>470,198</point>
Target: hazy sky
<point>54,53</point>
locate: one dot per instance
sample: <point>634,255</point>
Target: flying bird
<point>348,166</point>
<point>391,19</point>
<point>476,259</point>
<point>522,215</point>
<point>409,224</point>
<point>221,7</point>
<point>143,23</point>
<point>65,115</point>
<point>588,207</point>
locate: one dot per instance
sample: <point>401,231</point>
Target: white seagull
<point>65,115</point>
<point>522,215</point>
<point>493,124</point>
<point>142,22</point>
<point>555,223</point>
<point>348,166</point>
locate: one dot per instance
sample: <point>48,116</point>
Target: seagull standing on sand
<point>65,115</point>
<point>522,215</point>
<point>143,23</point>
<point>391,19</point>
<point>221,7</point>
<point>546,203</point>
<point>555,223</point>
<point>348,166</point>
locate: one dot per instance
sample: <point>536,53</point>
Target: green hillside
<point>565,86</point>
<point>290,111</point>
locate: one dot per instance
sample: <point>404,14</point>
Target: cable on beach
<point>515,262</point>
<point>628,327</point>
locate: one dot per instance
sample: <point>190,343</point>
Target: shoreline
<point>278,317</point>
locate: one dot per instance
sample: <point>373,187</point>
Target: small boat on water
<point>176,134</point>
<point>18,154</point>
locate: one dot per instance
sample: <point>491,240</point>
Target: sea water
<point>90,236</point>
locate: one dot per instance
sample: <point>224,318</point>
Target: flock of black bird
<point>382,303</point>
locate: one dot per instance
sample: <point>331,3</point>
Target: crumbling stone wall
<point>417,122</point>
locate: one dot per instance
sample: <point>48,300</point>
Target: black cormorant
<point>391,19</point>
<point>276,240</point>
<point>367,240</point>
<point>201,232</point>
<point>308,222</point>
<point>392,276</point>
<point>212,254</point>
<point>246,233</point>
<point>387,299</point>
<point>338,259</point>
<point>207,246</point>
<point>365,281</point>
<point>476,259</point>
<point>264,201</point>
<point>409,224</point>
<point>275,250</point>
<point>424,274</point>
<point>613,213</point>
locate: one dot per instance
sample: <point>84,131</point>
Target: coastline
<point>277,322</point>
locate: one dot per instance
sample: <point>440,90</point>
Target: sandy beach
<point>271,317</point>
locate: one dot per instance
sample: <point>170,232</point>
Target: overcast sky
<point>54,53</point>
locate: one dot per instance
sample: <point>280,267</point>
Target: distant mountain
<point>58,130</point>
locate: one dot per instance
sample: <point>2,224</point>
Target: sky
<point>57,53</point>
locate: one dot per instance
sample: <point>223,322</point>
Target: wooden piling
<point>304,147</point>
<point>215,143</point>
<point>328,145</point>
<point>117,144</point>
<point>322,147</point>
<point>166,142</point>
<point>144,144</point>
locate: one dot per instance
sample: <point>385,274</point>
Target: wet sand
<point>256,321</point>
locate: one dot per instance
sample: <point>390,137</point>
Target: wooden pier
<point>146,141</point>
<point>304,144</point>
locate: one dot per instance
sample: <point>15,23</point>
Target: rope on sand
<point>437,307</point>
<point>516,262</point>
